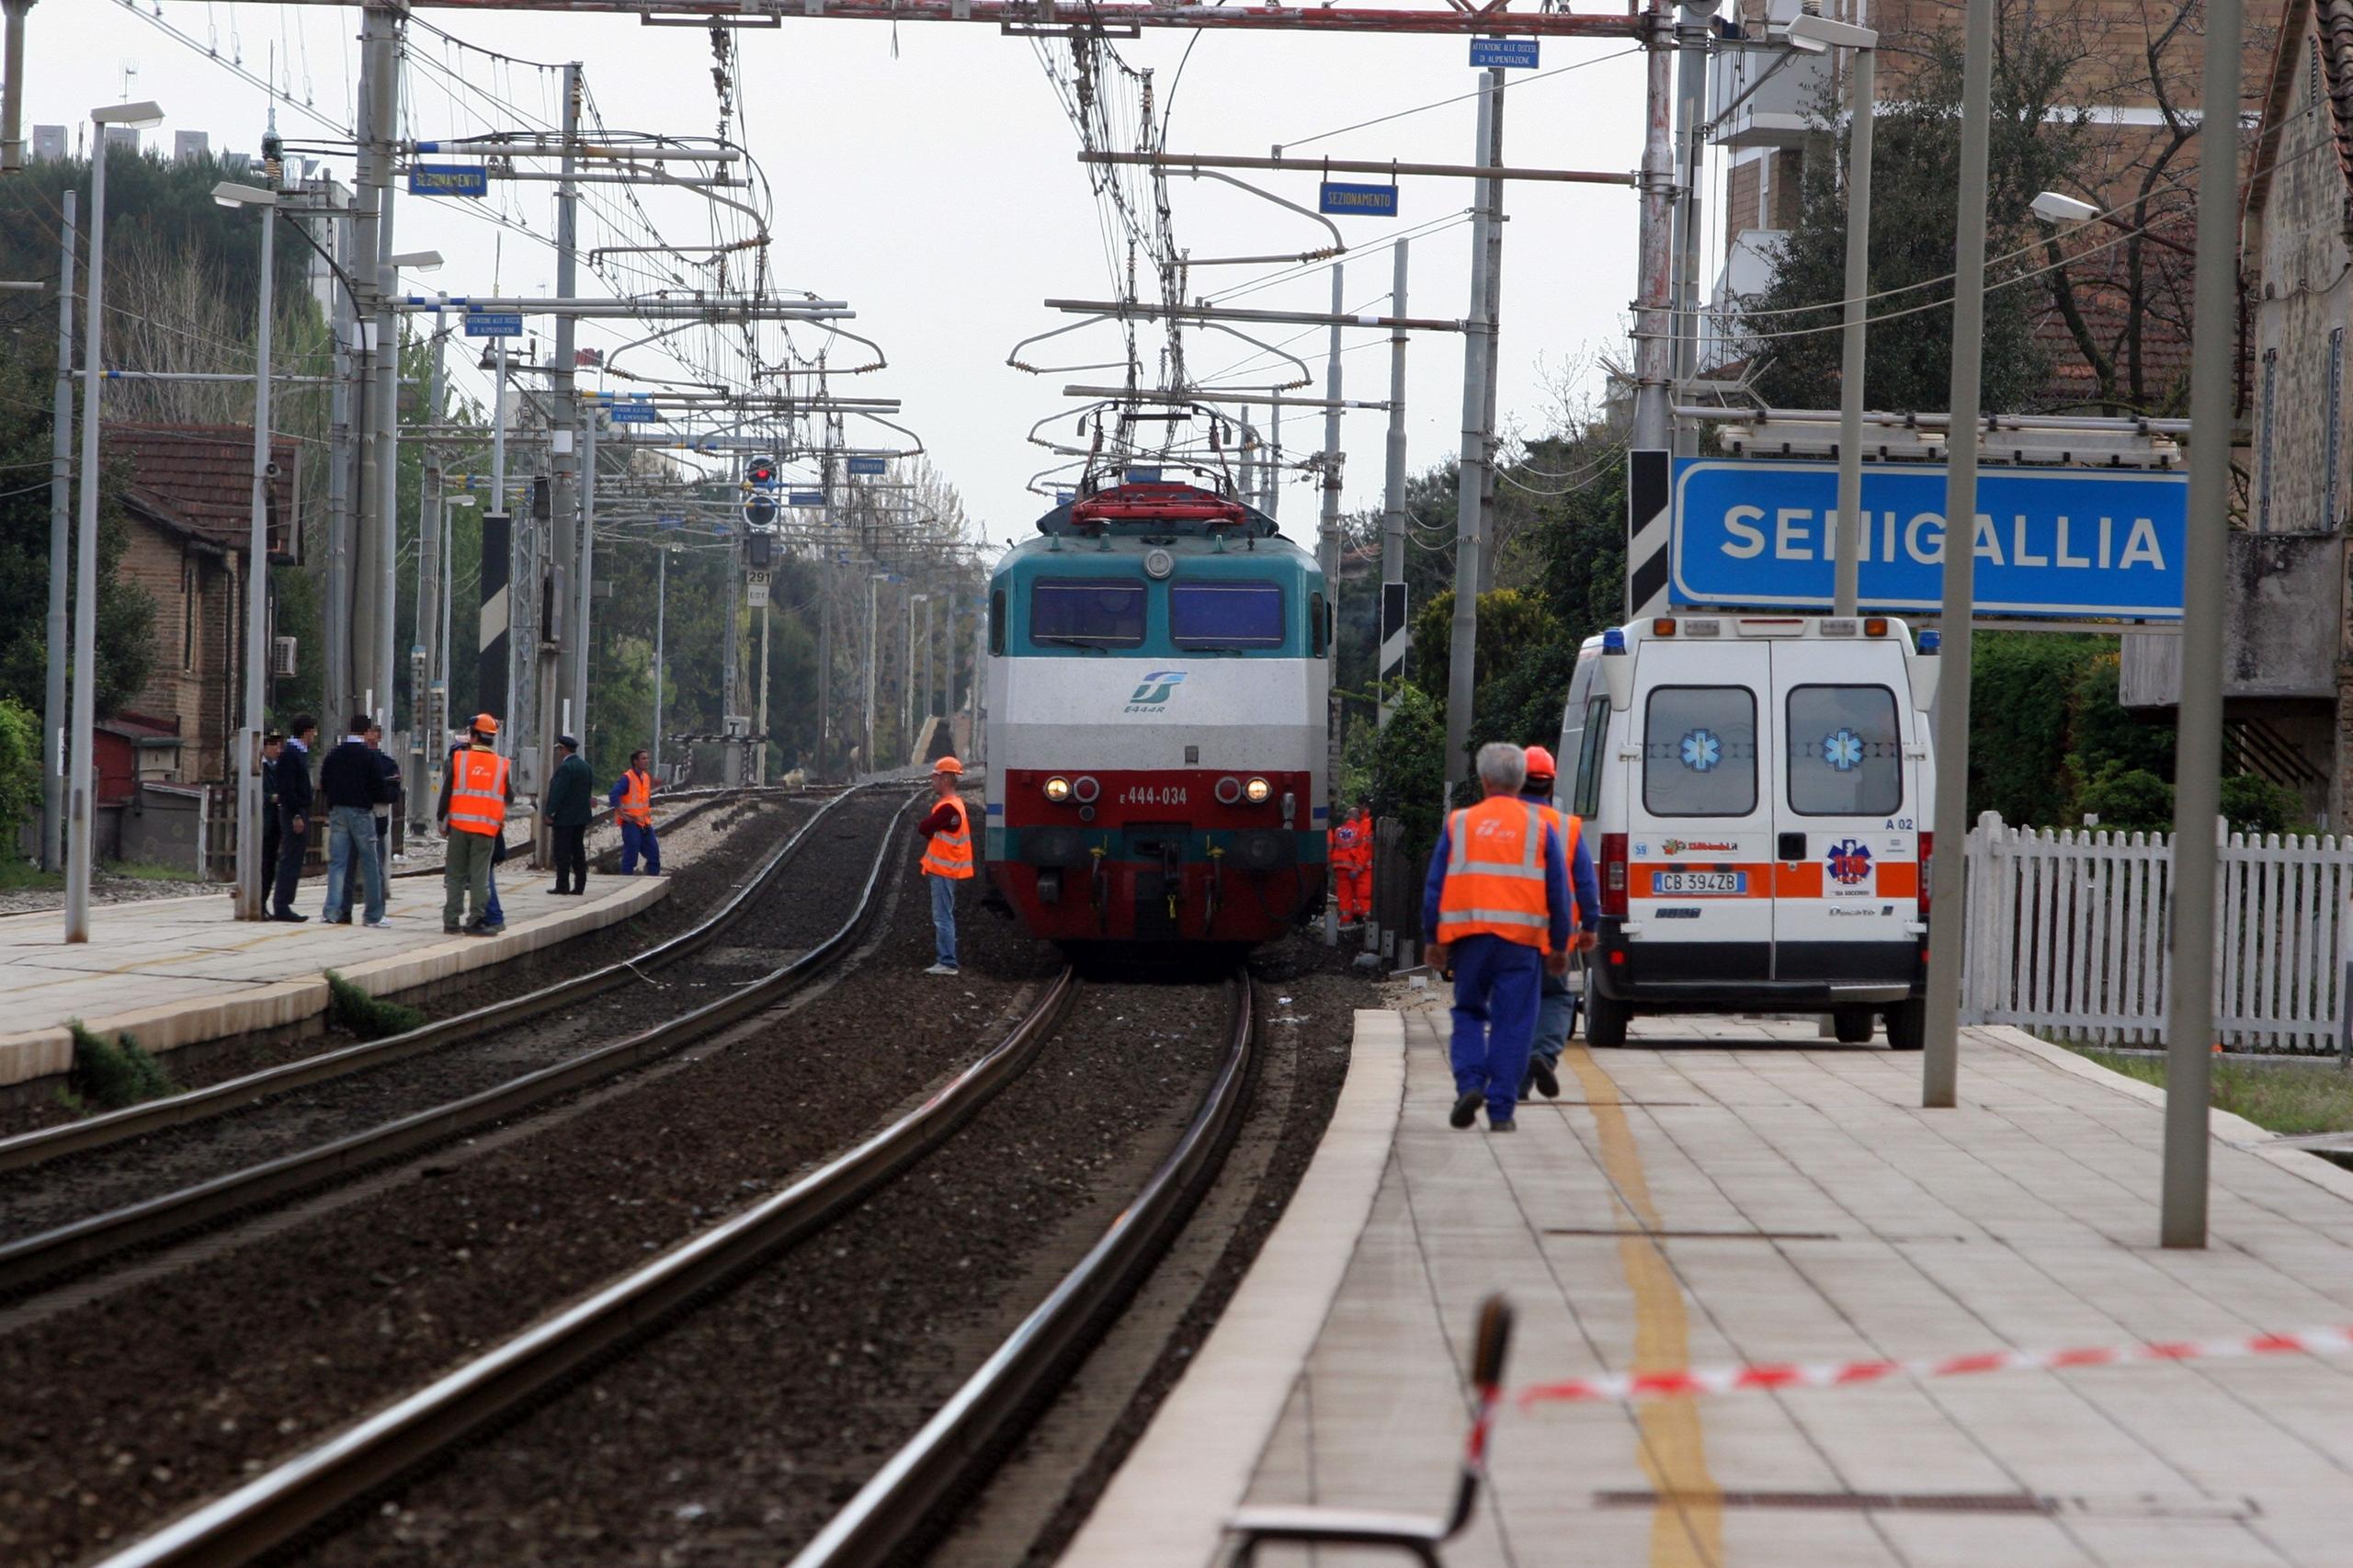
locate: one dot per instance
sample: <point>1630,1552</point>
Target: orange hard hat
<point>1540,764</point>
<point>484,724</point>
<point>947,765</point>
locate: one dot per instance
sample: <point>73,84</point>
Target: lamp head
<point>143,116</point>
<point>1817,34</point>
<point>228,193</point>
<point>417,261</point>
<point>2053,208</point>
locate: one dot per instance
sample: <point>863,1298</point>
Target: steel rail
<point>276,1506</point>
<point>43,1144</point>
<point>958,1446</point>
<point>47,1253</point>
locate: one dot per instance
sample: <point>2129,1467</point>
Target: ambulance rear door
<point>1846,811</point>
<point>1700,816</point>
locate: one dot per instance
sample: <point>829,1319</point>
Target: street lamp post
<point>80,786</point>
<point>249,901</point>
<point>1814,35</point>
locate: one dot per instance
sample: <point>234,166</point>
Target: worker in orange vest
<point>946,838</point>
<point>1497,911</point>
<point>1351,855</point>
<point>633,803</point>
<point>471,813</point>
<point>1556,1009</point>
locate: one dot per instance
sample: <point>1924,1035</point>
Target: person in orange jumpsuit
<point>1351,855</point>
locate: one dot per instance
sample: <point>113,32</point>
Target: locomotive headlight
<point>1084,787</point>
<point>1229,790</point>
<point>1058,789</point>
<point>1258,790</point>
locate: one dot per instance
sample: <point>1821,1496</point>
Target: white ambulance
<point>1756,790</point>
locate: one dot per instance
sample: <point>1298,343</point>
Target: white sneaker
<point>939,968</point>
<point>383,924</point>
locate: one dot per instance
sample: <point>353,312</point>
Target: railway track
<point>898,1504</point>
<point>28,1261</point>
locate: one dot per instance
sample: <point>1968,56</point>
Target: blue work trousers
<point>1556,1014</point>
<point>943,917</point>
<point>1496,983</point>
<point>351,855</point>
<point>639,841</point>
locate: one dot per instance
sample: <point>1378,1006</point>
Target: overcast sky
<point>925,173</point>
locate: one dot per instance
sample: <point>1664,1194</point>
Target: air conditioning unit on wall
<point>282,651</point>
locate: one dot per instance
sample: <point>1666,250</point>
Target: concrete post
<point>1470,483</point>
<point>61,470</point>
<point>1861,109</point>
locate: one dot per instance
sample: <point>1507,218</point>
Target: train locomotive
<point>1158,678</point>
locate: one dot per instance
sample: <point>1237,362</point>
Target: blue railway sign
<point>634,414</point>
<point>805,498</point>
<point>1508,53</point>
<point>448,179</point>
<point>2050,541</point>
<point>493,323</point>
<point>668,522</point>
<point>869,466</point>
<point>1361,200</point>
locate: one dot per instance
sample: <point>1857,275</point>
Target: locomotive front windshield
<point>1086,615</point>
<point>1225,615</point>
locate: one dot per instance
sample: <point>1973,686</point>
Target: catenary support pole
<point>1861,107</point>
<point>249,903</point>
<point>661,633</point>
<point>564,543</point>
<point>343,467</point>
<point>60,552</point>
<point>1492,313</point>
<point>1391,655</point>
<point>378,96</point>
<point>80,845</point>
<point>1653,329</point>
<point>1940,1060</point>
<point>1327,555</point>
<point>2197,744</point>
<point>12,90</point>
<point>428,716</point>
<point>387,410</point>
<point>1471,483</point>
<point>585,582</point>
<point>1691,37</point>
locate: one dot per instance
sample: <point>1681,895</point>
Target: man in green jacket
<point>570,803</point>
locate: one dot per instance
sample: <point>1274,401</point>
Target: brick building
<point>2114,317</point>
<point>191,507</point>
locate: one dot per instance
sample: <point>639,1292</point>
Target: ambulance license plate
<point>1698,884</point>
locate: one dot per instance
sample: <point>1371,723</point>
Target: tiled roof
<point>199,478</point>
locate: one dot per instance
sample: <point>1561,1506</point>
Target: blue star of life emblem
<point>1843,751</point>
<point>1702,751</point>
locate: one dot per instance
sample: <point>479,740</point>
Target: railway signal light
<point>760,473</point>
<point>759,512</point>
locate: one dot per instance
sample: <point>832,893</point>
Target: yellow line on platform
<point>1687,1525</point>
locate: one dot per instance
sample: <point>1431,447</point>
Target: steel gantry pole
<point>1939,1063</point>
<point>2198,755</point>
<point>1653,327</point>
<point>61,470</point>
<point>1491,358</point>
<point>1690,131</point>
<point>370,562</point>
<point>424,708</point>
<point>661,633</point>
<point>1327,553</point>
<point>249,903</point>
<point>1390,620</point>
<point>564,542</point>
<point>1861,109</point>
<point>587,581</point>
<point>342,467</point>
<point>1471,481</point>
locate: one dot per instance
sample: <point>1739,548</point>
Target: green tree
<point>1511,623</point>
<point>1915,169</point>
<point>19,771</point>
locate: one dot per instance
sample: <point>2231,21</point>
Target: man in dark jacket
<point>293,812</point>
<point>271,743</point>
<point>570,802</point>
<point>347,779</point>
<point>388,795</point>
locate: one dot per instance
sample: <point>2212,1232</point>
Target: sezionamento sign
<point>2069,542</point>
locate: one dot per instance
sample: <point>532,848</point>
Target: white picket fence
<point>2067,933</point>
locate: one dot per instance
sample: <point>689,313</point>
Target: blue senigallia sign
<point>1508,53</point>
<point>634,414</point>
<point>493,323</point>
<point>448,179</point>
<point>2050,541</point>
<point>805,497</point>
<point>1361,201</point>
<point>869,466</point>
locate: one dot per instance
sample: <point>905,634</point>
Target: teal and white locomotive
<point>1159,674</point>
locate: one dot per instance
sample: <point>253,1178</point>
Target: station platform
<point>1724,1193</point>
<point>172,972</point>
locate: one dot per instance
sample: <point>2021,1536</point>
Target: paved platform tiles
<point>175,972</point>
<point>1805,1209</point>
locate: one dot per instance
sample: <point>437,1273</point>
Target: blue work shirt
<point>1589,881</point>
<point>1556,883</point>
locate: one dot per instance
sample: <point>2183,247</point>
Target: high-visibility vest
<point>1351,846</point>
<point>478,793</point>
<point>1570,827</point>
<point>637,799</point>
<point>950,853</point>
<point>1495,874</point>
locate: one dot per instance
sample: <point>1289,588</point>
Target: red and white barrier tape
<point>1846,1374</point>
